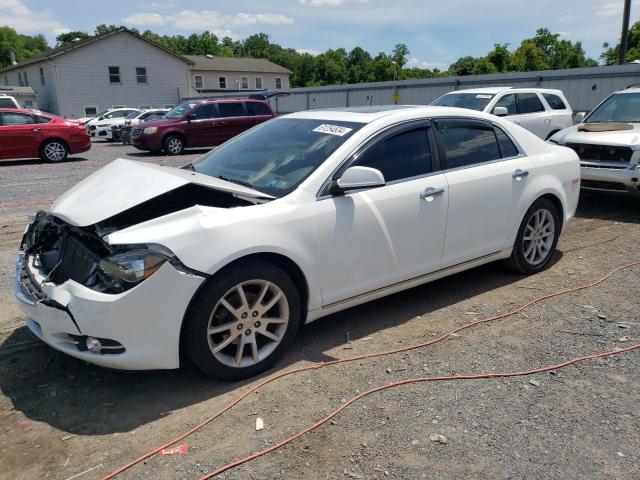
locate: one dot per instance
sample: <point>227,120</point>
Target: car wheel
<point>241,323</point>
<point>54,151</point>
<point>173,145</point>
<point>537,237</point>
<point>551,134</point>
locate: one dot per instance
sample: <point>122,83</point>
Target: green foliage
<point>610,55</point>
<point>23,46</point>
<point>69,37</point>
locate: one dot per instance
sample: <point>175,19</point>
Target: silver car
<point>608,144</point>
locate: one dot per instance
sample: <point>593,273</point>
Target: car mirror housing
<point>579,117</point>
<point>500,111</point>
<point>191,116</point>
<point>355,178</point>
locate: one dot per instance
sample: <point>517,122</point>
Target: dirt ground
<point>60,417</point>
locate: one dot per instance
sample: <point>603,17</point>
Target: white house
<point>122,68</point>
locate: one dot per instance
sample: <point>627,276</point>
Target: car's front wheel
<point>174,145</point>
<point>54,151</point>
<point>537,237</point>
<point>241,323</point>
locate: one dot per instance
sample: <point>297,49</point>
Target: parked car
<point>298,218</point>
<point>7,101</point>
<point>203,123</point>
<point>608,144</point>
<point>104,121</point>
<point>32,134</point>
<point>542,111</point>
<point>112,132</point>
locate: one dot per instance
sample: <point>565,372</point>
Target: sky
<point>437,32</point>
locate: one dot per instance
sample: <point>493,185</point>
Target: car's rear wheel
<point>241,323</point>
<point>537,237</point>
<point>174,145</point>
<point>54,151</point>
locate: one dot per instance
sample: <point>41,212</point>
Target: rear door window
<point>10,119</point>
<point>402,156</point>
<point>231,109</point>
<point>509,102</point>
<point>467,142</point>
<point>529,103</point>
<point>554,101</point>
<point>208,110</point>
<point>257,108</point>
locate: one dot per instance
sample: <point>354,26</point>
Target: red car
<point>202,123</point>
<point>33,134</point>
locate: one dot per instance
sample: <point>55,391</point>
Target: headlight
<point>150,130</point>
<point>131,268</point>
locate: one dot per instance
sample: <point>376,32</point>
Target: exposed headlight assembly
<point>150,130</point>
<point>128,269</point>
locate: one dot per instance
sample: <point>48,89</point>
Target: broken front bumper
<point>597,176</point>
<point>143,322</point>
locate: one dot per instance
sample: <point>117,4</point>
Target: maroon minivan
<point>201,123</point>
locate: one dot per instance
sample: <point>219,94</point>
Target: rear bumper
<point>79,144</point>
<point>145,320</point>
<point>614,180</point>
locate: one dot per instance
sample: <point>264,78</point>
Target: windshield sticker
<point>481,95</point>
<point>332,129</point>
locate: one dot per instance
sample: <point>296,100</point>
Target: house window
<point>197,81</point>
<point>114,74</point>
<point>169,105</point>
<point>90,110</point>
<point>222,82</point>
<point>258,83</point>
<point>118,106</point>
<point>28,104</point>
<point>278,83</point>
<point>20,81</point>
<point>244,82</point>
<point>26,80</point>
<point>141,74</point>
<point>6,80</point>
<point>42,82</point>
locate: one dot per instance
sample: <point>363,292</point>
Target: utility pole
<point>625,32</point>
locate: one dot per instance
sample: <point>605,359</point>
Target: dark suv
<point>202,123</point>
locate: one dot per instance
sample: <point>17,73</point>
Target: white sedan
<point>297,218</point>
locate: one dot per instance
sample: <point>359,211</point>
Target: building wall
<point>210,80</point>
<point>584,88</point>
<point>83,76</point>
<point>46,98</point>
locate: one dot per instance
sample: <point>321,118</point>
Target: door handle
<point>431,192</point>
<point>36,129</point>
<point>547,120</point>
<point>520,174</point>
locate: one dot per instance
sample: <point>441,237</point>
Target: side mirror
<point>500,111</point>
<point>191,116</point>
<point>579,117</point>
<point>355,178</point>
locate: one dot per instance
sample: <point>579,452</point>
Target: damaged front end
<point>60,252</point>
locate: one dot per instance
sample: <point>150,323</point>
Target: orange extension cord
<point>391,385</point>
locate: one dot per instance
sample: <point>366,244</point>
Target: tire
<point>173,145</point>
<point>212,332</point>
<point>551,134</point>
<point>526,257</point>
<point>54,151</point>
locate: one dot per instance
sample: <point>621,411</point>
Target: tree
<point>69,37</point>
<point>23,46</point>
<point>610,55</point>
<point>500,56</point>
<point>528,57</point>
<point>463,66</point>
<point>400,54</point>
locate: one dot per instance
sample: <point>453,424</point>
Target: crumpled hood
<point>618,138</point>
<point>123,184</point>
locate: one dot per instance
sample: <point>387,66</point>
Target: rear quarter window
<point>257,108</point>
<point>554,101</point>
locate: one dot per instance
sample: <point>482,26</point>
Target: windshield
<point>621,107</point>
<point>472,101</point>
<point>276,156</point>
<point>134,114</point>
<point>178,111</point>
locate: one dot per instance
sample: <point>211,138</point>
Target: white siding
<point>84,78</point>
<point>234,79</point>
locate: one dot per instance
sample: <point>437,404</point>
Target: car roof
<point>223,100</point>
<point>496,90</point>
<point>630,89</point>
<point>390,112</point>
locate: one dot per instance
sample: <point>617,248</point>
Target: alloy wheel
<point>54,151</point>
<point>248,323</point>
<point>538,236</point>
<point>174,145</point>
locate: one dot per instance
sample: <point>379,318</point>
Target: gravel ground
<point>60,417</point>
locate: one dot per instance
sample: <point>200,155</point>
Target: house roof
<point>234,64</point>
<point>82,43</point>
<point>15,90</point>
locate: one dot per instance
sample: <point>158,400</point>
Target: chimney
<point>12,57</point>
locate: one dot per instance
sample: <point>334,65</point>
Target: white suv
<point>108,118</point>
<point>542,111</point>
